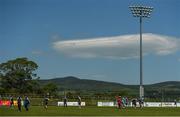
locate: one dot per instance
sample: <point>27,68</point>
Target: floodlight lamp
<point>141,11</point>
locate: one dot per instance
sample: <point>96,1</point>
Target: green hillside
<point>84,84</point>
<point>170,88</point>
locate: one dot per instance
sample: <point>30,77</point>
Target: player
<point>11,101</point>
<point>175,103</point>
<point>79,101</point>
<point>65,101</point>
<point>123,102</point>
<point>19,103</point>
<point>45,102</point>
<point>119,102</point>
<point>134,102</point>
<point>26,103</point>
<point>127,101</point>
<point>140,100</point>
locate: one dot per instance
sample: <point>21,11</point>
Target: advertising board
<point>105,104</point>
<point>71,104</point>
<point>7,103</point>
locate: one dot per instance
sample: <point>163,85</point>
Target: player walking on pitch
<point>45,102</point>
<point>119,102</point>
<point>65,101</point>
<point>19,103</point>
<point>26,103</point>
<point>79,101</point>
<point>11,101</point>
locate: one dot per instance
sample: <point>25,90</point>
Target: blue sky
<point>92,39</point>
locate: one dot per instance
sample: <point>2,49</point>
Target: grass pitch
<point>89,111</point>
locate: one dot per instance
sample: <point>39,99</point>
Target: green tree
<point>50,88</point>
<point>17,75</point>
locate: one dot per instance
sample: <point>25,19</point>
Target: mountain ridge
<point>76,78</point>
<point>74,83</point>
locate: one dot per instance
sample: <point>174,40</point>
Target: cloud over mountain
<point>119,47</point>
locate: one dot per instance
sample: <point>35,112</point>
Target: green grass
<point>89,111</point>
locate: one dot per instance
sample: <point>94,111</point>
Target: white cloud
<point>123,47</point>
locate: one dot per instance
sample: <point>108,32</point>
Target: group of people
<point>26,102</point>
<point>140,101</point>
<point>123,102</point>
<point>78,100</point>
<point>65,100</point>
<point>19,103</point>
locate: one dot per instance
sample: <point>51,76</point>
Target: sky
<point>93,39</point>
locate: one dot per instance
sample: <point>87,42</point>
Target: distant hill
<point>165,86</point>
<point>74,83</point>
